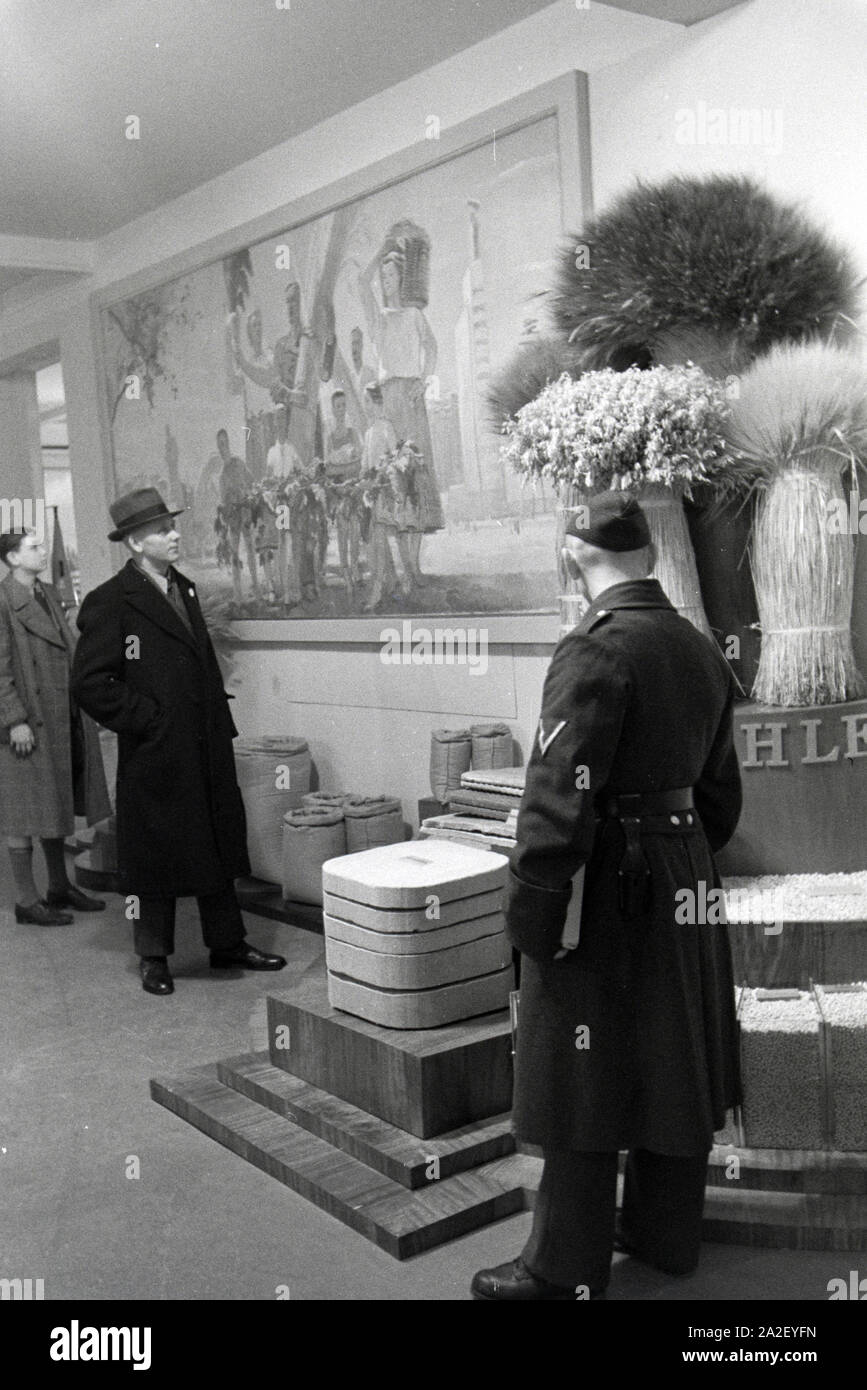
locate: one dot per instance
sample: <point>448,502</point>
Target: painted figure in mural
<point>260,379</point>
<point>282,464</point>
<point>381,449</point>
<point>287,349</point>
<point>363,375</point>
<point>407,356</point>
<point>236,513</point>
<point>342,469</point>
<point>50,759</point>
<point>145,667</point>
<point>343,451</point>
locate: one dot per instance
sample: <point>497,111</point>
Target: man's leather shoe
<point>41,915</point>
<point>515,1283</point>
<point>245,957</point>
<point>155,976</point>
<point>74,898</point>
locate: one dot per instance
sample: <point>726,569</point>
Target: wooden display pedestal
<point>403,1136</point>
<point>424,1081</point>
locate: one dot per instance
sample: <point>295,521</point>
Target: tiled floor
<point>80,1041</point>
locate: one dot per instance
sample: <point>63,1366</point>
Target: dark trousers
<point>220,915</point>
<point>574,1219</point>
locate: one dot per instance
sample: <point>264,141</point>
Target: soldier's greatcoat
<point>181,829</point>
<point>635,700</point>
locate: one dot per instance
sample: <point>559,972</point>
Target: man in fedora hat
<point>145,667</point>
<point>626,1034</point>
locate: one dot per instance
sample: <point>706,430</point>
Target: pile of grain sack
<point>292,831</point>
<point>472,775</point>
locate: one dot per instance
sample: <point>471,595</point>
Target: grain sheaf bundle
<point>798,423</point>
<point>719,259</point>
<point>675,566</point>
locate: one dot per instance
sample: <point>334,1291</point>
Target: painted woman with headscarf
<point>407,356</point>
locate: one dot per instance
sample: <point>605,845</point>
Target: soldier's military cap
<point>611,521</point>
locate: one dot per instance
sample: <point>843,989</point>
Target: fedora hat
<point>137,508</point>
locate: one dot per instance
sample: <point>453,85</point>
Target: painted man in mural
<point>343,451</point>
<point>236,488</point>
<point>260,378</point>
<point>287,349</point>
<point>283,463</point>
<point>380,444</point>
<point>407,356</point>
<point>342,469</point>
<point>363,375</point>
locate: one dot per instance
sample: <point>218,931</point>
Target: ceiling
<point>213,83</point>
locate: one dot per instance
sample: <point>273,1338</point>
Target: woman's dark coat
<point>181,828</point>
<point>39,794</point>
<point>641,701</point>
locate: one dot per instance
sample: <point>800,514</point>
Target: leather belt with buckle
<point>647,811</point>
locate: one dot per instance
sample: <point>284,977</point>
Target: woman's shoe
<point>41,915</point>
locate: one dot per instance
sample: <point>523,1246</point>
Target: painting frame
<point>565,99</point>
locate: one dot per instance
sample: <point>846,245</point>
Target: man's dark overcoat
<point>641,701</point>
<point>181,829</point>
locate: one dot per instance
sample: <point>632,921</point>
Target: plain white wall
<point>796,57</point>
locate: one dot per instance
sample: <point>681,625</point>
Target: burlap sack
<point>492,745</point>
<point>372,820</point>
<point>273,775</point>
<point>310,836</point>
<point>450,754</point>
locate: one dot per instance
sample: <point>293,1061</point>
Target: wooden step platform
<point>266,900</point>
<point>398,1155</point>
<point>791,1170</point>
<point>401,1221</point>
<point>88,877</point>
<point>785,1220</point>
<point>768,1204</point>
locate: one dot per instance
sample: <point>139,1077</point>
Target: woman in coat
<point>41,737</point>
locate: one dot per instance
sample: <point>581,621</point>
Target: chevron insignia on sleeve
<point>545,742</point>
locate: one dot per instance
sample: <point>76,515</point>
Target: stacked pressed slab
<point>415,934</point>
<point>483,812</point>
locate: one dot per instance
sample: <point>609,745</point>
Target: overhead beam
<point>45,253</point>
